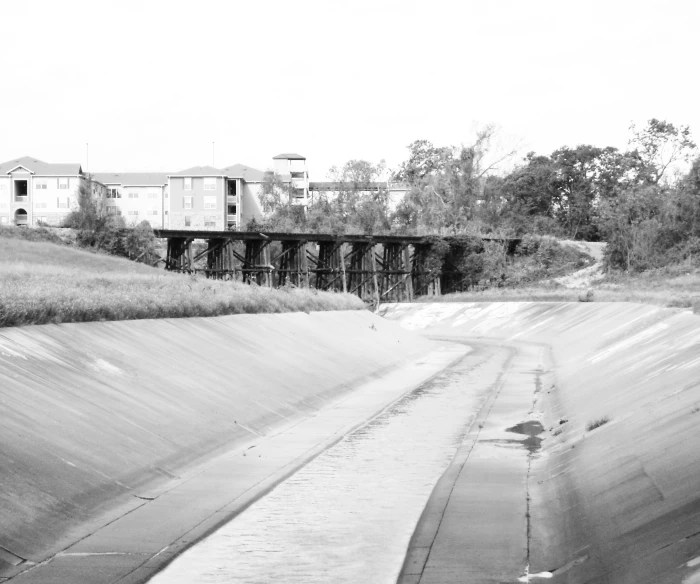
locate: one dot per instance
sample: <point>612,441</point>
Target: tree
<point>661,145</point>
<point>274,193</point>
<point>424,160</point>
<point>530,188</point>
<point>140,243</point>
<point>89,218</point>
<point>447,184</point>
<point>359,197</point>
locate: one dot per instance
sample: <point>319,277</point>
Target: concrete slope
<point>619,503</point>
<point>98,417</point>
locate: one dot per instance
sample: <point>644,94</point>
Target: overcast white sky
<point>151,84</point>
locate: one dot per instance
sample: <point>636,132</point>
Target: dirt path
<point>585,277</point>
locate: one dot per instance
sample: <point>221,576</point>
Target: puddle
<point>531,429</point>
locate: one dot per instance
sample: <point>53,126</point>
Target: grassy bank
<point>673,286</point>
<point>41,282</point>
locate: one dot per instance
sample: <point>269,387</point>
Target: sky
<point>150,85</point>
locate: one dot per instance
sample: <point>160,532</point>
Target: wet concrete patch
<point>532,429</point>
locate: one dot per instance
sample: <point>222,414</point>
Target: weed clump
<point>593,424</point>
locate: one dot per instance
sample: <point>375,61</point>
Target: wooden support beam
<point>256,264</point>
<point>290,269</point>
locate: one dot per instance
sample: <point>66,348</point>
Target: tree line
<point>638,200</point>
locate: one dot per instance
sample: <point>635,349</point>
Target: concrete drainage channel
<point>581,430</point>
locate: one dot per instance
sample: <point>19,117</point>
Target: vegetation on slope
<point>674,286</point>
<point>644,200</point>
<point>41,282</point>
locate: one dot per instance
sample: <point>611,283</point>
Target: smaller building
<point>33,192</point>
<point>291,167</point>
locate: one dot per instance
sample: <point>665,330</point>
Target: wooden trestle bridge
<point>378,268</point>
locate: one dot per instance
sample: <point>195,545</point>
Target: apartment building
<point>135,196</point>
<point>204,197</point>
<point>33,192</point>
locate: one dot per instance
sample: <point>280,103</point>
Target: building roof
<point>199,171</point>
<point>289,156</point>
<point>132,179</point>
<point>41,168</point>
<point>244,172</point>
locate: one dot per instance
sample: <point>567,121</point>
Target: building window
<point>152,195</point>
<point>153,212</point>
<point>62,202</point>
<point>40,205</point>
<point>3,205</point>
<point>40,185</point>
<point>3,185</point>
<point>210,221</point>
<point>210,184</point>
<point>133,213</point>
<point>210,202</point>
<point>114,211</point>
<point>63,182</point>
<point>188,183</point>
<point>113,194</point>
<point>40,220</point>
<point>187,202</point>
<point>133,194</point>
<point>3,220</point>
<point>188,221</point>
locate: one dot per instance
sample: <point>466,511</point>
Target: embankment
<point>97,417</point>
<point>618,503</point>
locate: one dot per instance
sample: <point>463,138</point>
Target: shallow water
<point>349,514</point>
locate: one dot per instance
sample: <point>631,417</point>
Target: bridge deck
<point>342,237</point>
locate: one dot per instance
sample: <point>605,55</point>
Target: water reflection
<point>349,514</point>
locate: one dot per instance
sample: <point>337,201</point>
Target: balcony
<point>230,219</point>
<point>21,198</point>
<point>232,199</point>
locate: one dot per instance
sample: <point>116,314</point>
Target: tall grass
<point>46,283</point>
